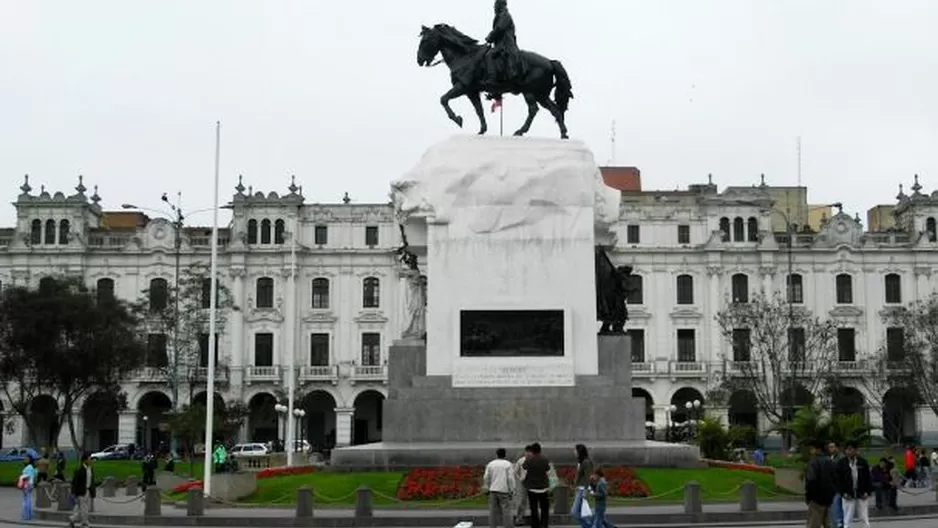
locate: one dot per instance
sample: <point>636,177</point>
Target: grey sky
<point>127,93</point>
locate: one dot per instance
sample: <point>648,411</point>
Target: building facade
<point>333,296</point>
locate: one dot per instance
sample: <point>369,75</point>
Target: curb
<point>631,520</point>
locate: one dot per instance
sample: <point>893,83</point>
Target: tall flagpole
<point>212,307</point>
<point>501,118</point>
<point>290,442</point>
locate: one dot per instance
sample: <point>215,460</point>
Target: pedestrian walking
<point>854,485</point>
<point>520,496</point>
<point>26,483</point>
<point>581,481</point>
<point>83,489</point>
<point>819,487</point>
<point>537,483</point>
<point>499,482</point>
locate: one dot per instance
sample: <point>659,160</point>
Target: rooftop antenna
<point>612,143</point>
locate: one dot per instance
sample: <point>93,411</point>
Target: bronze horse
<point>465,58</point>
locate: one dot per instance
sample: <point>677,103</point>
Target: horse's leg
<point>476,99</point>
<point>551,107</point>
<point>532,111</point>
<point>453,93</point>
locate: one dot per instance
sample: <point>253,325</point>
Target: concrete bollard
<point>109,487</point>
<point>748,498</point>
<point>63,496</point>
<point>195,503</point>
<point>152,502</point>
<point>363,503</point>
<point>692,497</point>
<point>91,505</point>
<point>304,503</point>
<point>133,487</point>
<point>43,495</point>
<point>562,500</point>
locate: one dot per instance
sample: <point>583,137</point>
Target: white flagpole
<point>213,306</point>
<point>290,442</point>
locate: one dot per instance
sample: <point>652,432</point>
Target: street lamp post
<point>693,416</point>
<point>281,413</point>
<point>299,414</point>
<point>146,432</point>
<point>670,419</point>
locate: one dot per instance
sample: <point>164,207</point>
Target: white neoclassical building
<point>693,250</point>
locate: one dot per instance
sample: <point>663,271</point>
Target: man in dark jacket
<point>854,485</point>
<point>537,483</point>
<point>819,488</point>
<point>83,489</point>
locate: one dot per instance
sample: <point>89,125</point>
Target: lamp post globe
<point>688,405</point>
<point>697,404</point>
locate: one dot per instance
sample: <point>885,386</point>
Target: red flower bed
<point>447,483</point>
<point>740,466</point>
<point>262,474</point>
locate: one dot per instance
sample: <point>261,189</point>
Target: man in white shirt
<point>499,482</point>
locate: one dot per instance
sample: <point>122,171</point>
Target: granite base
<point>390,456</point>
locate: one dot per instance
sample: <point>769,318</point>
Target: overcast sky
<point>127,92</point>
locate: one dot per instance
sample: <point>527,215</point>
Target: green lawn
<point>121,469</point>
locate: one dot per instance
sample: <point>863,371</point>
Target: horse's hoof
<point>564,136</point>
<point>458,121</point>
<point>482,132</point>
<point>518,133</point>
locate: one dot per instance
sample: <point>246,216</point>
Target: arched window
<point>35,232</point>
<point>636,294</point>
<point>930,229</point>
<point>739,230</point>
<point>49,237</point>
<point>104,289</point>
<point>844,286</point>
<point>279,229</point>
<point>752,229</point>
<point>158,295</point>
<point>64,227</point>
<point>265,292</point>
<point>893,288</point>
<point>320,293</point>
<point>46,284</point>
<point>795,289</point>
<point>265,231</point>
<point>740,287</point>
<point>725,228</point>
<point>371,292</point>
<point>685,289</point>
<point>252,231</point>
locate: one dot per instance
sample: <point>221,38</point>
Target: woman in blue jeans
<point>581,481</point>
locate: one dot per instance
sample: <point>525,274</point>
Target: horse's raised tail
<point>563,91</point>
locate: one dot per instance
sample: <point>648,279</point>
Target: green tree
<point>182,315</point>
<point>61,341</point>
<point>777,352</point>
<point>910,353</point>
<point>813,424</point>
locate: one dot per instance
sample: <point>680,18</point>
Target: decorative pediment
<point>272,315</point>
<point>320,316</point>
<point>638,313</point>
<point>320,215</point>
<point>846,312</point>
<point>686,314</point>
<point>371,317</point>
<point>840,231</point>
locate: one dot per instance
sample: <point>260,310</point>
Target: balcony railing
<point>688,368</point>
<point>319,373</point>
<point>150,375</point>
<point>369,373</point>
<point>254,373</point>
<point>643,370</point>
<point>201,373</point>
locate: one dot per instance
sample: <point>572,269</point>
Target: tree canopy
<point>60,340</point>
<point>910,353</point>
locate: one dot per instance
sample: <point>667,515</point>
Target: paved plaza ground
<point>126,506</point>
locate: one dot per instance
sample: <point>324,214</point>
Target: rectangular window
<point>796,344</point>
<point>264,349</point>
<point>371,349</point>
<point>371,236</point>
<point>635,295</point>
<point>795,289</point>
<point>319,350</point>
<point>895,345</point>
<point>203,350</point>
<point>156,351</point>
<point>685,289</point>
<point>742,345</point>
<point>893,289</point>
<point>638,345</point>
<point>632,234</point>
<point>846,344</point>
<point>686,346</point>
<point>844,287</point>
<point>683,234</point>
<point>321,235</point>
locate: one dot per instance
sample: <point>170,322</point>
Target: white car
<point>248,450</point>
<point>117,451</point>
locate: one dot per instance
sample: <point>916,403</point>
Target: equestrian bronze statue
<point>496,68</point>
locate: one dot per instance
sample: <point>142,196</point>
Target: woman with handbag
<point>26,482</point>
<point>581,511</point>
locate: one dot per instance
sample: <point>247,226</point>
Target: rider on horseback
<point>503,63</point>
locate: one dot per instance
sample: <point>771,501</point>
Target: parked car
<point>248,450</point>
<point>18,454</point>
<point>114,452</point>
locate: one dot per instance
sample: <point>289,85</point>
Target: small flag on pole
<point>496,104</point>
